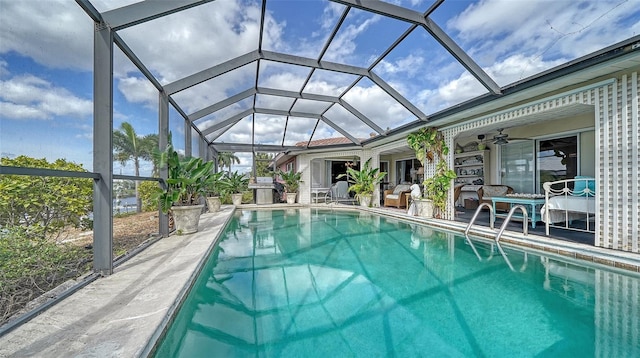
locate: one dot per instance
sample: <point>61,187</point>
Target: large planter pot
<point>365,200</point>
<point>186,218</point>
<point>236,199</point>
<point>213,203</point>
<point>425,208</point>
<point>291,197</point>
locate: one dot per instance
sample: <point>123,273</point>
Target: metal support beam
<point>88,7</point>
<point>163,141</point>
<point>222,104</point>
<point>240,147</point>
<point>187,139</point>
<point>339,129</point>
<point>397,96</point>
<point>414,17</point>
<point>385,9</point>
<point>361,116</point>
<point>279,112</point>
<point>465,60</point>
<point>228,121</point>
<point>202,152</point>
<point>136,61</point>
<point>144,11</point>
<point>211,72</point>
<point>309,62</point>
<point>103,149</point>
<point>293,94</point>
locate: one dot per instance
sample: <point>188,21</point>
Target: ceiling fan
<point>501,138</point>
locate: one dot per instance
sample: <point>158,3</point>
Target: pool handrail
<point>525,221</point>
<point>492,217</point>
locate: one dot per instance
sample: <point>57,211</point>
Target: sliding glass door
<point>517,166</point>
<point>557,159</point>
<point>526,165</point>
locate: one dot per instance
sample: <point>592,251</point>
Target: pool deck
<point>116,316</point>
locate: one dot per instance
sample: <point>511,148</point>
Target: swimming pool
<point>321,283</point>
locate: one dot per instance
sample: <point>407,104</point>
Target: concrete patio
<point>116,316</point>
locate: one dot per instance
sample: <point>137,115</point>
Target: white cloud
<point>139,90</point>
<point>492,30</point>
<point>330,15</point>
<point>409,65</point>
<point>376,104</point>
<point>55,33</point>
<point>198,38</point>
<point>343,45</point>
<point>30,97</point>
<point>3,68</point>
<point>465,87</point>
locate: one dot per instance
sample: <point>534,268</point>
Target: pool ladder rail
<point>492,219</point>
<point>502,228</point>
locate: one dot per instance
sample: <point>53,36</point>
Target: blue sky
<point>46,64</point>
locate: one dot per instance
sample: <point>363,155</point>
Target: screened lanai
<point>249,77</point>
<point>278,76</point>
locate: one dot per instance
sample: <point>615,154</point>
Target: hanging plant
<point>429,145</point>
<point>437,186</point>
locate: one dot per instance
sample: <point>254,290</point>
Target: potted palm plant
<point>363,182</point>
<point>429,145</point>
<point>235,183</point>
<point>291,184</point>
<point>214,189</point>
<point>186,182</point>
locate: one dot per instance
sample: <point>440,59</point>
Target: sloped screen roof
<point>275,74</point>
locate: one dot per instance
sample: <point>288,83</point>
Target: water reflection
<point>323,283</point>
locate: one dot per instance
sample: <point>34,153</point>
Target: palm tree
<point>226,159</point>
<point>150,144</point>
<point>128,146</point>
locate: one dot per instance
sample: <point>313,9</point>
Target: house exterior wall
<point>617,139</point>
<point>304,165</point>
<point>618,162</point>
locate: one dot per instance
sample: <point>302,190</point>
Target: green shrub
<point>146,190</point>
<point>50,203</point>
<point>31,265</point>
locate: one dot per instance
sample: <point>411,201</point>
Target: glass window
<point>557,159</point>
<point>517,166</point>
<point>407,171</point>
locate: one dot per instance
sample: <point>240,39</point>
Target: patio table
<point>318,194</point>
<point>530,202</point>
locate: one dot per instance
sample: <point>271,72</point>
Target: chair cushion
<point>494,190</point>
<point>584,187</point>
<point>400,188</point>
<point>392,196</point>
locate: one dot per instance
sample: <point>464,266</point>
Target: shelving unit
<point>472,168</point>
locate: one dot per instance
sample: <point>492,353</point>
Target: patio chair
<point>397,196</point>
<point>486,192</point>
<point>339,193</point>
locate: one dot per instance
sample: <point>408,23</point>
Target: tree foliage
<point>262,164</point>
<point>146,190</point>
<point>128,146</point>
<point>49,203</point>
<point>226,159</point>
<point>364,181</point>
<point>187,179</point>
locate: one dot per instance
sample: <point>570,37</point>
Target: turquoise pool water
<point>314,283</point>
